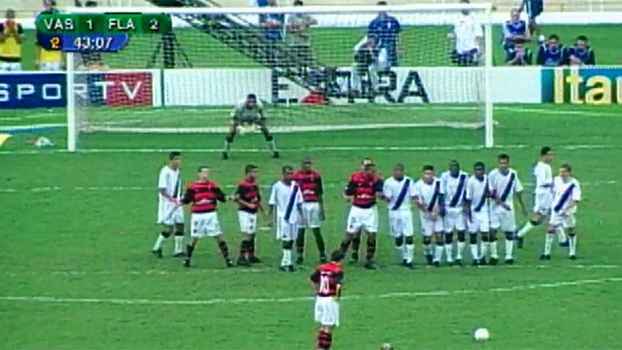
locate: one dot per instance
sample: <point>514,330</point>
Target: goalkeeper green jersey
<point>242,114</point>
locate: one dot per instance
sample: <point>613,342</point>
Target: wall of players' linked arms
<point>28,8</point>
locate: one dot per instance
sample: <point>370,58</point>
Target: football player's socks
<point>324,340</point>
<point>572,244</point>
<point>460,245</point>
<point>474,251</point>
<point>345,245</point>
<point>439,247</point>
<point>528,227</point>
<point>287,257</point>
<point>561,235</point>
<point>224,249</point>
<point>356,244</point>
<point>427,249</point>
<point>449,247</point>
<point>484,246</point>
<point>245,248</point>
<point>371,249</point>
<point>161,238</point>
<point>272,145</point>
<point>300,243</point>
<point>548,242</point>
<point>179,242</point>
<point>492,246</point>
<point>319,241</point>
<point>509,246</point>
<point>189,251</point>
<point>409,252</point>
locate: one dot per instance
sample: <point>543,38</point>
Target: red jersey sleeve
<point>220,195</point>
<point>320,184</point>
<point>378,185</point>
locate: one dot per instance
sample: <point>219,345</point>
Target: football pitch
<point>77,272</point>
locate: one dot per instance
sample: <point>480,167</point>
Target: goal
<point>306,71</point>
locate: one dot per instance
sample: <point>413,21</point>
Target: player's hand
<point>230,198</point>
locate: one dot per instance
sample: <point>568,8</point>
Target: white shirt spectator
<point>467,32</point>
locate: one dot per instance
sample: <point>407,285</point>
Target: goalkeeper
<point>366,63</point>
<point>249,113</point>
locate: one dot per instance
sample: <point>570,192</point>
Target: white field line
<point>224,301</point>
<point>6,271</point>
<point>142,188</point>
<point>46,152</point>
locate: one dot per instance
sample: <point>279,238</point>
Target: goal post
<point>300,61</point>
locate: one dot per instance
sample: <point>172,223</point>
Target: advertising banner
<point>582,85</point>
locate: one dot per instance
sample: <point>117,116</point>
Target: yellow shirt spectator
<point>49,60</point>
<point>11,38</point>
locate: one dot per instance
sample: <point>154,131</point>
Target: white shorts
<point>204,225</point>
<point>542,204</point>
<point>310,215</point>
<point>51,67</point>
<point>563,220</point>
<point>454,220</point>
<point>362,220</point>
<point>400,223</point>
<point>480,222</point>
<point>430,225</point>
<point>327,311</point>
<point>170,214</point>
<point>503,220</point>
<point>248,222</point>
<point>10,66</point>
<point>286,231</point>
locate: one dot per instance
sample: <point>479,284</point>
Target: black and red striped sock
<point>345,245</point>
<point>245,248</point>
<point>224,250</point>
<point>371,249</point>
<point>251,246</point>
<point>356,244</point>
<point>324,340</point>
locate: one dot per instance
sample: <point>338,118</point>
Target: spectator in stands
<point>92,61</point>
<point>580,54</point>
<point>11,39</point>
<point>551,53</point>
<point>386,29</point>
<point>49,6</point>
<point>514,30</point>
<point>519,55</point>
<point>299,37</point>
<point>272,24</point>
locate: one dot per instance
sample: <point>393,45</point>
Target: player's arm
<point>379,188</point>
<point>576,196</point>
<point>272,201</point>
<point>18,34</point>
<point>386,192</point>
<point>591,59</point>
<point>319,182</point>
<point>419,201</point>
<point>518,194</point>
<point>220,195</point>
<point>299,201</point>
<point>239,193</point>
<point>188,196</point>
<point>441,200</point>
<point>468,200</point>
<point>162,184</point>
<point>348,192</point>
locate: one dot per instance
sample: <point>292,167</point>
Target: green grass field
<point>77,272</point>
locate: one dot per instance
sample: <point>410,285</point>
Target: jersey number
<point>324,287</point>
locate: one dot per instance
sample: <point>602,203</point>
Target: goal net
<point>314,68</point>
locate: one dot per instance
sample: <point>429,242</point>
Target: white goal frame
<point>485,19</point>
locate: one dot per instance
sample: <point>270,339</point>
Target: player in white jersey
<point>430,200</point>
<point>567,194</point>
<point>477,208</point>
<point>543,196</point>
<point>249,112</point>
<point>398,191</point>
<point>505,186</point>
<point>286,196</point>
<point>453,183</point>
<point>170,212</point>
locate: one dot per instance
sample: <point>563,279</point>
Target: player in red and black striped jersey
<point>327,281</point>
<point>203,197</point>
<point>356,241</point>
<point>311,184</point>
<point>363,190</point>
<point>248,197</point>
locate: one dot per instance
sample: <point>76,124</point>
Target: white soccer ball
<point>481,334</point>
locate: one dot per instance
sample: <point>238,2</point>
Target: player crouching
<point>327,281</point>
<point>286,196</point>
<point>430,200</point>
<point>248,197</point>
<point>567,193</point>
<point>363,190</point>
<point>398,192</point>
<point>249,112</point>
<point>203,195</point>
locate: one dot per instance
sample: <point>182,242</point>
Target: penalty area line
<point>222,301</point>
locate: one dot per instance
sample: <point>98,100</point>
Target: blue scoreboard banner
<point>582,85</point>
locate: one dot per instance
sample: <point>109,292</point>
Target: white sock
<point>449,252</point>
<point>287,257</point>
<point>474,252</point>
<point>509,249</point>
<point>272,145</point>
<point>438,252</point>
<point>523,231</point>
<point>460,248</point>
<point>484,250</point>
<point>548,243</point>
<point>159,241</point>
<point>572,246</point>
<point>492,245</point>
<point>410,252</point>
<point>561,235</point>
<point>179,244</point>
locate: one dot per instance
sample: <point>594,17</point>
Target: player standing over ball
<point>311,184</point>
<point>477,209</point>
<point>203,195</point>
<point>286,196</point>
<point>248,197</point>
<point>567,194</point>
<point>398,192</point>
<point>170,214</point>
<point>249,111</point>
<point>363,190</point>
<point>453,183</point>
<point>430,200</point>
<point>505,186</point>
<point>327,280</point>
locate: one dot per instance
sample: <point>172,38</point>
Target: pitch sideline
<point>224,301</point>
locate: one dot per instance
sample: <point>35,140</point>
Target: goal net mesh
<point>307,75</point>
